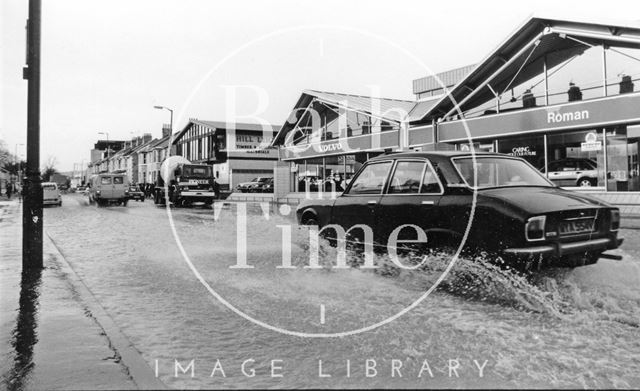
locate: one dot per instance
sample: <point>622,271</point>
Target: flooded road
<point>482,328</point>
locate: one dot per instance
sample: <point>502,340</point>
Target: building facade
<point>559,93</point>
<point>238,152</point>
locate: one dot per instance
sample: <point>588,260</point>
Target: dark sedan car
<point>518,214</point>
<point>136,194</point>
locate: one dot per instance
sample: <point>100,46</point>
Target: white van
<point>51,194</point>
<point>109,188</point>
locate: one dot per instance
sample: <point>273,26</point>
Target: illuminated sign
<point>591,143</point>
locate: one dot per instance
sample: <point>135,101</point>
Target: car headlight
<point>534,229</point>
<point>98,192</point>
<point>615,219</point>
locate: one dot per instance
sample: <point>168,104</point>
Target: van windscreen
<point>118,180</point>
<point>105,180</point>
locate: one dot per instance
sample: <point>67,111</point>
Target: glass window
<point>105,180</point>
<point>430,182</point>
<point>406,178</point>
<point>118,180</point>
<point>499,172</point>
<point>371,179</point>
<point>576,158</point>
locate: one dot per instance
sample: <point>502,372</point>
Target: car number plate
<point>576,226</point>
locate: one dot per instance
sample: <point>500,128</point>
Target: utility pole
<point>32,206</point>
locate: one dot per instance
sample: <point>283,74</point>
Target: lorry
<point>185,183</point>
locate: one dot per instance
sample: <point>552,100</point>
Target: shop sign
<point>374,141</point>
<point>589,113</point>
<point>591,143</point>
<point>522,151</point>
<point>556,116</point>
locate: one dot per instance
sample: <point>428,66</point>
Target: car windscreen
<point>48,187</point>
<point>197,171</point>
<point>498,172</point>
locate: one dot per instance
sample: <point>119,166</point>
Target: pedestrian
<point>9,189</point>
<point>216,189</point>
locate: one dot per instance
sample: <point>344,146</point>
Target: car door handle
<point>372,202</point>
<point>428,202</point>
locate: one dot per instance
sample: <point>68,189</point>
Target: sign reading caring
<point>522,151</point>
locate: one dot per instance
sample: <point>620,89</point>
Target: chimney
<point>146,138</point>
<point>166,130</point>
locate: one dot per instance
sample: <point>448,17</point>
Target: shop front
<point>329,136</point>
<point>590,144</point>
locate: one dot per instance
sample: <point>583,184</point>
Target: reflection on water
<point>25,336</point>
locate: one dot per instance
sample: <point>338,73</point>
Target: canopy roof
<point>395,110</point>
<point>521,57</point>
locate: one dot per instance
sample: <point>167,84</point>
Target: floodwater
<point>483,327</point>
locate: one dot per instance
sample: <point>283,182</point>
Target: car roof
<point>435,155</point>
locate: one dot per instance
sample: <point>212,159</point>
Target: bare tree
<point>49,168</point>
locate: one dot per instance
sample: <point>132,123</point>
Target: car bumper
<point>199,194</point>
<point>562,249</point>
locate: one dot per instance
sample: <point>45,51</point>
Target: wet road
<point>564,328</point>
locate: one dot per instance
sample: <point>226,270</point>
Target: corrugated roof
<point>391,109</point>
<point>422,107</point>
<point>396,110</point>
<point>448,78</point>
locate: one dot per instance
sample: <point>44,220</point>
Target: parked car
<point>263,187</point>
<point>109,188</point>
<point>51,194</point>
<point>253,185</point>
<point>136,194</point>
<point>573,172</point>
<point>519,214</point>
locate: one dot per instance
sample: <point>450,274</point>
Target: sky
<point>105,64</point>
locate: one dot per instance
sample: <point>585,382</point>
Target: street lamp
<point>171,119</point>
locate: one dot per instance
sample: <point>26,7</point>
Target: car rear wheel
<point>585,182</point>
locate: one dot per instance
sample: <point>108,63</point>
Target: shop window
<point>576,159</point>
<point>530,149</point>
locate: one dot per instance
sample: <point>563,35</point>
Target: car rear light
<point>615,219</point>
<point>534,229</point>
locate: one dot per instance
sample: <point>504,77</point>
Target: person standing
<point>9,190</point>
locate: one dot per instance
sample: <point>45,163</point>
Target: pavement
<point>54,334</point>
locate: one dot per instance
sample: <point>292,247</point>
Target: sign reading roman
<point>596,112</point>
